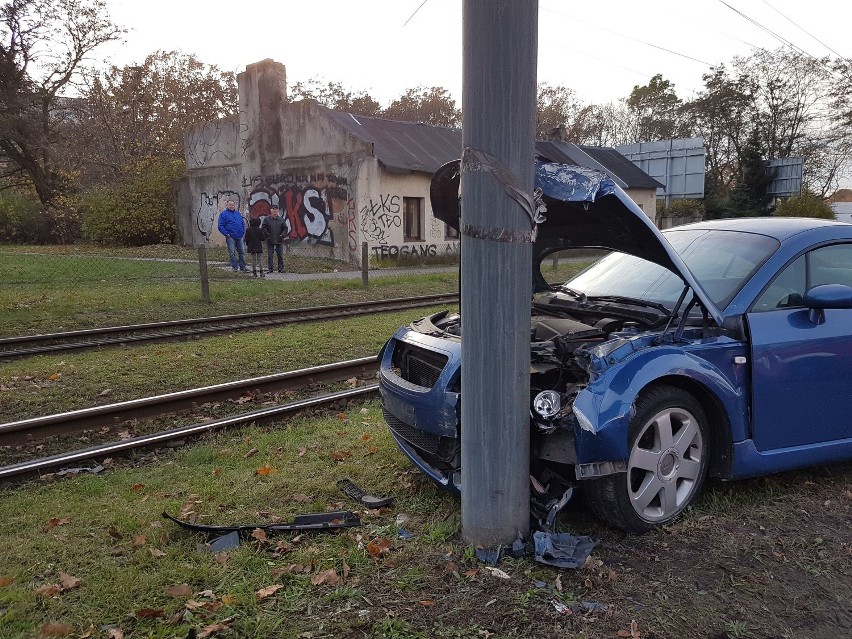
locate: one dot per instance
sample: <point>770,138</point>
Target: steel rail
<point>203,326</point>
<point>12,433</point>
<point>260,416</point>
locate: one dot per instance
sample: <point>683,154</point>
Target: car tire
<point>669,449</point>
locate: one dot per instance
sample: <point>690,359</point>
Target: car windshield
<point>721,261</point>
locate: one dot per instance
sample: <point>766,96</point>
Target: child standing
<point>255,237</point>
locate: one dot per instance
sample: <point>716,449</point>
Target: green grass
<point>55,383</point>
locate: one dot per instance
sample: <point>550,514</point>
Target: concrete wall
<point>646,199</point>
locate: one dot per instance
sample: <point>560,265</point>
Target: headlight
<point>547,404</point>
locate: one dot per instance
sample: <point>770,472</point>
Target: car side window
<point>787,290</point>
<point>831,265</point>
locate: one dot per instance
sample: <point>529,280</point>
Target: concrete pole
<point>498,129</point>
<point>202,270</point>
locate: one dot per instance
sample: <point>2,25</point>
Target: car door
<point>802,370</point>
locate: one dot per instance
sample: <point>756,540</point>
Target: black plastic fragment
<point>358,494</point>
<point>301,523</point>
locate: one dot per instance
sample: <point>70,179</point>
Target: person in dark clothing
<point>255,236</point>
<point>275,237</point>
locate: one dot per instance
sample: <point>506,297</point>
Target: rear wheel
<point>667,464</point>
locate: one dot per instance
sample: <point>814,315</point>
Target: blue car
<point>721,348</point>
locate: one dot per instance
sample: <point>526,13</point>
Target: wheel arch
<point>719,426</point>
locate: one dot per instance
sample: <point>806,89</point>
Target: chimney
<point>263,91</point>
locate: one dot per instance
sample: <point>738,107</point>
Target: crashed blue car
<point>720,349</point>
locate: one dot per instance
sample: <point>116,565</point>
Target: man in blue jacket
<point>231,225</point>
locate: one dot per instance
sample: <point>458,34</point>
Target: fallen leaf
<point>215,628</point>
<point>379,546</point>
<point>352,381</point>
<point>48,590</point>
<point>149,613</point>
<point>340,455</point>
<point>259,534</point>
<point>559,583</point>
<point>251,453</point>
<point>155,552</point>
<point>328,577</point>
<point>115,633</point>
<point>497,572</point>
<point>217,472</point>
<point>5,581</point>
<point>302,451</point>
<point>54,522</point>
<point>301,498</point>
<point>179,590</point>
<point>269,590</point>
<point>341,416</point>
<point>221,558</point>
<point>89,632</point>
<point>228,600</point>
<point>266,470</point>
<point>105,392</point>
<point>427,602</point>
<point>137,487</point>
<point>366,437</point>
<point>140,540</point>
<point>192,604</point>
<point>68,581</point>
<point>56,630</point>
<point>471,573</point>
<point>55,376</point>
<point>283,547</point>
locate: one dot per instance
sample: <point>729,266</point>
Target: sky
<point>600,49</point>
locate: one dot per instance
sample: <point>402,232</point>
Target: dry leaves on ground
<point>263,593</point>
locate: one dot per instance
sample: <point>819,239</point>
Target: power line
<point>628,37</point>
<point>767,30</point>
<point>802,29</point>
<point>415,13</point>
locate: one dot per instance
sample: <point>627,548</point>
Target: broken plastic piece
<point>562,550</point>
<point>225,542</point>
<point>311,521</point>
<point>358,494</point>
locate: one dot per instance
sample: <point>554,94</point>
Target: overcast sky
<point>600,49</point>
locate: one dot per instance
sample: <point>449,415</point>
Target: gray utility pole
<point>500,40</point>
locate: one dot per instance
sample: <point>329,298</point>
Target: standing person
<point>231,225</point>
<point>275,238</point>
<point>255,235</point>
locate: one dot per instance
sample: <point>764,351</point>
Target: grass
<point>55,383</point>
<point>145,577</point>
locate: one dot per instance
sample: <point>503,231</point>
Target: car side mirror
<point>824,296</point>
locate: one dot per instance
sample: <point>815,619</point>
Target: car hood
<point>585,209</point>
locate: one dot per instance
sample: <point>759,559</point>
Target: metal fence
<point>92,286</point>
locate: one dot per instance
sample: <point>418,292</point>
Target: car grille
<point>419,366</point>
<point>417,438</point>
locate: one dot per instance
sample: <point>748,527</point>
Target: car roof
<point>780,228</point>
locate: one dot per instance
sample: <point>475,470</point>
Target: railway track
<point>28,345</point>
<point>39,429</point>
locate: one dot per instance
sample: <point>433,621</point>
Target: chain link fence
<point>47,288</point>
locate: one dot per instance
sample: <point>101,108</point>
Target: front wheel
<point>667,463</point>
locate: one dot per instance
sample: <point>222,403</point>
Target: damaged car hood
<point>585,209</point>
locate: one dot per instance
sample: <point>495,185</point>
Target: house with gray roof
<point>340,179</point>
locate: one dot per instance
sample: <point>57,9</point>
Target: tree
<point>43,44</point>
<point>557,108</point>
<point>142,111</point>
<point>656,111</point>
<point>750,197</point>
<point>334,96</point>
<point>806,204</point>
<point>429,106</point>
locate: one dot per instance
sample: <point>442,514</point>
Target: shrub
<point>680,208</point>
<point>806,204</point>
<point>138,210</point>
<point>23,219</point>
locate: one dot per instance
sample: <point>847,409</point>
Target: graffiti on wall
<point>414,250</point>
<point>380,217</point>
<point>308,202</point>
<point>210,207</point>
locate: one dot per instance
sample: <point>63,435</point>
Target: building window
<point>450,233</point>
<point>413,219</point>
